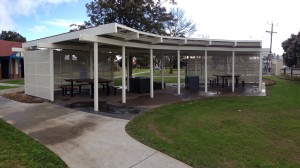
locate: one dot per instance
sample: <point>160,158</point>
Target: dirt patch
<point>296,158</point>
<point>159,134</point>
<point>23,98</point>
<point>269,82</point>
<point>289,77</point>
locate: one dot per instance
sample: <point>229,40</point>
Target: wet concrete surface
<point>106,109</point>
<point>61,133</point>
<point>111,105</point>
<point>35,114</point>
<point>83,139</point>
<point>136,104</point>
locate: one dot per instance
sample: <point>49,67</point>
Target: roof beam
<point>91,38</point>
<point>182,42</point>
<point>100,30</point>
<point>157,40</point>
<point>132,36</point>
<point>104,40</point>
<point>62,46</point>
<point>235,44</point>
<point>14,49</point>
<point>209,43</point>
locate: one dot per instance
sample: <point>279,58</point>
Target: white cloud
<point>63,22</point>
<point>9,8</point>
<point>39,29</point>
<point>6,23</point>
<point>245,19</point>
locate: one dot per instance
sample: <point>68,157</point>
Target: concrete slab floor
<point>83,139</point>
<point>136,104</point>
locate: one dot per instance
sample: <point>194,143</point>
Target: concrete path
<point>82,139</point>
<point>9,84</point>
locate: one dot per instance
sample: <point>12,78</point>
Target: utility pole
<point>270,52</point>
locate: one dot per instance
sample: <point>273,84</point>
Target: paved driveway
<point>82,139</point>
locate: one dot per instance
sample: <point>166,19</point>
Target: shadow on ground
<point>136,104</point>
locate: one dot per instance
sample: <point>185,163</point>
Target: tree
<point>142,61</point>
<point>180,26</point>
<point>12,36</point>
<point>75,27</point>
<point>291,48</point>
<point>143,15</point>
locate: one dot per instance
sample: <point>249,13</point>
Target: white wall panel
<point>42,58</point>
<point>30,79</point>
<point>43,68</point>
<point>38,73</point>
<point>43,81</point>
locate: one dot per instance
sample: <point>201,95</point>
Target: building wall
<point>0,69</point>
<point>277,65</point>
<point>38,68</point>
<point>11,66</point>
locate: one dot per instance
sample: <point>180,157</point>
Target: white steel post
<point>128,59</point>
<point>195,71</point>
<point>189,66</point>
<point>260,73</point>
<point>178,72</point>
<point>112,69</point>
<point>91,63</point>
<point>233,85</point>
<point>123,76</point>
<point>151,74</point>
<point>96,108</point>
<point>52,74</point>
<point>205,80</point>
<point>162,62</point>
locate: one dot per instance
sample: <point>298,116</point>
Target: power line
<point>270,52</point>
<point>271,33</point>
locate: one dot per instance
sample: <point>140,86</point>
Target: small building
<point>90,53</point>
<point>11,63</point>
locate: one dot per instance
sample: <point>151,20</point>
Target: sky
<point>216,19</point>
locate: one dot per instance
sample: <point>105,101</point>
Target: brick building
<point>11,63</point>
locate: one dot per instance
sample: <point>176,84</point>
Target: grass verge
<point>6,87</point>
<point>19,150</point>
<point>19,82</point>
<point>228,132</point>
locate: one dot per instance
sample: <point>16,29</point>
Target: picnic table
<point>91,82</point>
<point>226,76</point>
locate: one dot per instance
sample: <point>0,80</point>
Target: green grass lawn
<point>228,132</point>
<point>6,87</point>
<point>146,72</point>
<point>165,72</point>
<point>19,82</point>
<point>19,150</point>
<point>134,70</point>
<point>169,78</point>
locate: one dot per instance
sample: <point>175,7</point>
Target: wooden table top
<point>100,80</point>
